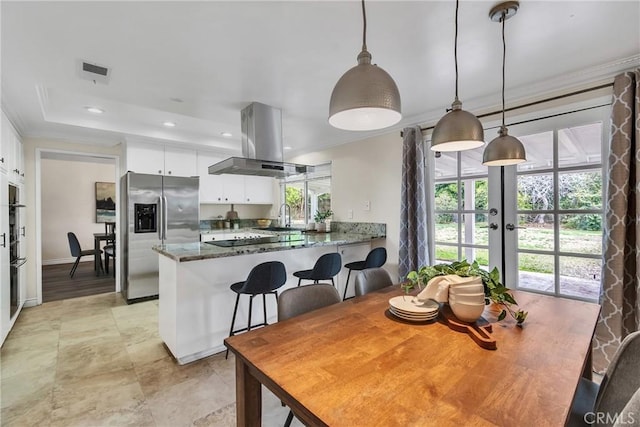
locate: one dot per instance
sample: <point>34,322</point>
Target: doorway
<point>68,186</point>
<point>541,222</point>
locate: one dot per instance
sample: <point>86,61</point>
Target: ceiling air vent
<point>94,72</point>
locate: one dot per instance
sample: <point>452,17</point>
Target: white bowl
<point>477,299</point>
<point>475,288</point>
<point>467,312</point>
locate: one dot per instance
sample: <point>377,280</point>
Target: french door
<point>540,223</point>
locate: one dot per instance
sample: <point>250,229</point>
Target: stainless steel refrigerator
<point>159,210</point>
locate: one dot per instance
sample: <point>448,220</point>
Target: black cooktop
<point>256,241</point>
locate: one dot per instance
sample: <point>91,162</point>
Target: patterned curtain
<point>416,210</point>
<point>620,300</point>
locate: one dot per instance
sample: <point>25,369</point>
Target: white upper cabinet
<point>229,188</point>
<point>258,189</point>
<point>180,162</point>
<point>11,152</point>
<point>157,159</point>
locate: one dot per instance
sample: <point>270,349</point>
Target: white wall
<point>68,201</point>
<point>367,170</point>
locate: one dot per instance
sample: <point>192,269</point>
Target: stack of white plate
<point>406,307</point>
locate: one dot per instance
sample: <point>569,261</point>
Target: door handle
<point>4,240</point>
<point>512,227</point>
<point>24,231</point>
<point>492,226</point>
<point>160,214</point>
<point>165,217</point>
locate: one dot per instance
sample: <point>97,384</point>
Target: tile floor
<point>95,361</point>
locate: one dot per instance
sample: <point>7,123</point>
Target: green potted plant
<point>320,218</point>
<point>494,291</point>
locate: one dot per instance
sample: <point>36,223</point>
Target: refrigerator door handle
<point>165,216</point>
<point>160,217</point>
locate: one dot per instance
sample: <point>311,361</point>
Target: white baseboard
<point>31,302</point>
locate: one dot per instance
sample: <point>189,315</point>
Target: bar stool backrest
<point>265,277</point>
<point>376,258</point>
<point>327,266</point>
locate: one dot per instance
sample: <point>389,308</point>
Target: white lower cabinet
<point>4,258</point>
<point>351,253</point>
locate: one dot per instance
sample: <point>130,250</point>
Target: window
<point>317,188</point>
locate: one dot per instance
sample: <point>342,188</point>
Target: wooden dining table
<point>356,364</point>
<point>97,238</point>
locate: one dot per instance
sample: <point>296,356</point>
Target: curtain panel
<point>620,313</point>
<point>416,211</point>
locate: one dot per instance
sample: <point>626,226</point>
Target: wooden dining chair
<point>372,279</point>
<point>296,301</point>
<point>619,383</point>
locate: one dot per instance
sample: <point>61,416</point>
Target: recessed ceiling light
<point>94,110</point>
<point>287,147</point>
<point>169,124</point>
<point>226,134</point>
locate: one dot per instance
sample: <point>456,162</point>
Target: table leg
<point>96,256</point>
<point>248,397</point>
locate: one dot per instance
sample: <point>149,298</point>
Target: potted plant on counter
<point>320,218</point>
<point>494,291</point>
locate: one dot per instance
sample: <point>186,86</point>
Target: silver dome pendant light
<point>505,150</point>
<point>365,97</point>
<point>457,130</point>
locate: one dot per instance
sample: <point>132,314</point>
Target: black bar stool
<point>263,279</point>
<point>375,259</point>
<point>327,266</point>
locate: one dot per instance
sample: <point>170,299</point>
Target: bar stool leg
<point>346,286</point>
<point>299,281</point>
<point>264,308</point>
<point>233,321</point>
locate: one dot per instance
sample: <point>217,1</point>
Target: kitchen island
<point>195,303</point>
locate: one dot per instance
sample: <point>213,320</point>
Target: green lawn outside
<point>536,238</point>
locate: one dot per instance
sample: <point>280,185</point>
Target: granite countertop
<point>198,251</point>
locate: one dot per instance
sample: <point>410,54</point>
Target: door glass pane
<point>535,192</point>
<point>472,162</point>
<point>580,277</point>
<point>446,253</point>
<point>446,165</point>
<point>475,229</point>
<point>481,194</point>
<point>537,232</point>
<point>446,196</point>
<point>580,190</point>
<point>581,233</point>
<point>539,149</point>
<point>446,229</point>
<point>536,272</point>
<point>480,255</point>
<point>580,145</point>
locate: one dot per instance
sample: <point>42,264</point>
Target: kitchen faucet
<point>283,218</point>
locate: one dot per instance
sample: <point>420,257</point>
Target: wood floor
<point>57,285</point>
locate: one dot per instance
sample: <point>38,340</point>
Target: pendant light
<point>365,97</point>
<point>504,150</point>
<point>457,130</point>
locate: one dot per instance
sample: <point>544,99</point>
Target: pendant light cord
<point>455,49</point>
<point>504,54</point>
<point>364,29</point>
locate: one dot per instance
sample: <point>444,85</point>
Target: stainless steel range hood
<point>261,146</point>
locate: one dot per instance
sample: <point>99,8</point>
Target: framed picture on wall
<point>105,202</point>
